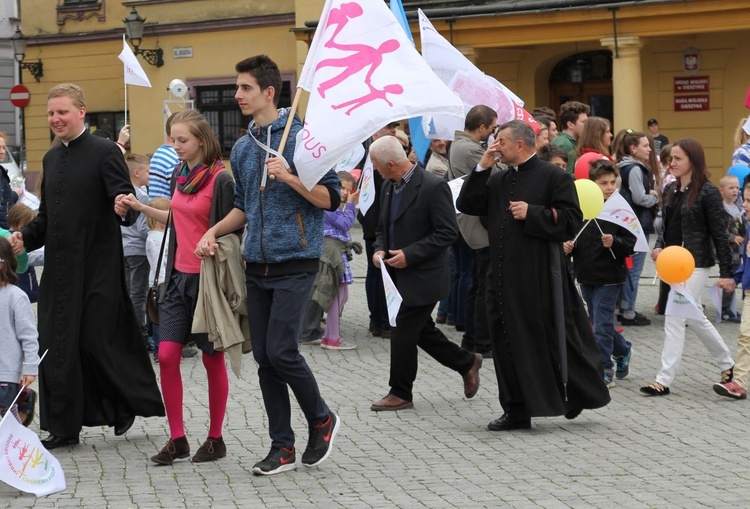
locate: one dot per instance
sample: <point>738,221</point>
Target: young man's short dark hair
<point>570,111</point>
<point>265,71</point>
<point>478,116</point>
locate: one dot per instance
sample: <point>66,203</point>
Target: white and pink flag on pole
<point>134,73</point>
<point>466,81</point>
<point>362,72</point>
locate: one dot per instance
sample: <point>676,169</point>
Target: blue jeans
<point>275,307</point>
<point>460,284</point>
<point>136,280</point>
<point>8,391</point>
<point>445,306</point>
<point>629,294</point>
<point>600,301</point>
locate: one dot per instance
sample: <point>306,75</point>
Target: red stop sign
<point>19,96</point>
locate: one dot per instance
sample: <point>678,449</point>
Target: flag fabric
<point>618,211</point>
<point>715,294</point>
<point>362,73</point>
<point>747,99</point>
<point>393,298</point>
<point>24,463</point>
<point>681,303</point>
<point>418,139</point>
<point>134,73</point>
<point>366,187</point>
<point>469,83</point>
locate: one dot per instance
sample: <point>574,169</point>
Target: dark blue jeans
<point>136,280</point>
<point>445,306</point>
<point>460,284</point>
<point>275,307</point>
<point>600,301</point>
<point>8,391</point>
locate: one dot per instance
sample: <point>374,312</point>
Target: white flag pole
<point>600,231</point>
<point>285,134</point>
<point>126,87</point>
<point>22,388</point>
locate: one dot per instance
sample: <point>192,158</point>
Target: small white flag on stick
<point>134,73</point>
<point>393,299</point>
<point>366,187</point>
<point>681,303</point>
<point>618,211</point>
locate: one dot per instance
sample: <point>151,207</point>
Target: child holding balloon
<point>599,260</point>
<point>693,218</point>
<point>737,388</point>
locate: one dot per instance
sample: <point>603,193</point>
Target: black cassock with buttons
<point>97,371</point>
<point>529,346</point>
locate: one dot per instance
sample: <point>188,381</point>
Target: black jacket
<point>8,197</point>
<point>594,263</point>
<point>703,228</point>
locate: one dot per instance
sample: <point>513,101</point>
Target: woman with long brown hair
<point>596,136</point>
<point>634,159</point>
<point>693,215</point>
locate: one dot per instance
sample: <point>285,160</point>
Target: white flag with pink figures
<point>362,73</point>
<point>618,211</point>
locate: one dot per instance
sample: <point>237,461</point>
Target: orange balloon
<point>675,264</point>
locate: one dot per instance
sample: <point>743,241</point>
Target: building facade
<point>680,61</point>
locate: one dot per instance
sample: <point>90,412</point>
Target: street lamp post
<point>19,53</point>
<point>134,31</point>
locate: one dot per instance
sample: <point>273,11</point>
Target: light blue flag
<point>418,140</point>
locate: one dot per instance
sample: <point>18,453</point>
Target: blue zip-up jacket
<point>285,231</point>
<point>742,274</point>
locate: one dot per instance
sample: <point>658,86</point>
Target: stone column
<point>627,86</point>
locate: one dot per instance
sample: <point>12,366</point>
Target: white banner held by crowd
<point>362,72</point>
<point>618,211</point>
<point>393,299</point>
<point>24,463</point>
<point>455,186</point>
<point>681,303</point>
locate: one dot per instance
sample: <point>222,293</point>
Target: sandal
<point>655,389</point>
<point>727,375</point>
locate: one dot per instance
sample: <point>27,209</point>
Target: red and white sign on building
<point>699,102</point>
<point>20,96</point>
<point>691,85</point>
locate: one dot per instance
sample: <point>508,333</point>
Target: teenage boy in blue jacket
<point>283,247</point>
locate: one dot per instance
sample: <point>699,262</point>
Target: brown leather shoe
<point>391,402</point>
<point>471,378</point>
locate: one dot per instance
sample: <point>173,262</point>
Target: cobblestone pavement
<point>689,449</point>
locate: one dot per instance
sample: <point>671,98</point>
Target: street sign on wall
<point>20,96</point>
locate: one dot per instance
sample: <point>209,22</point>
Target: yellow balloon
<point>590,198</point>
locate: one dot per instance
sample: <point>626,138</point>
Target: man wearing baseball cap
<point>659,139</point>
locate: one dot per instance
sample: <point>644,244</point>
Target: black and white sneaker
<point>277,461</point>
<point>320,442</point>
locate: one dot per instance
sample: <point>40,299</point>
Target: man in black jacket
<point>417,225</point>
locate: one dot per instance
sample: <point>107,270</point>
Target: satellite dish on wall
<point>177,88</point>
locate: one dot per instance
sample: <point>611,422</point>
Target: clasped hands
<point>397,259</point>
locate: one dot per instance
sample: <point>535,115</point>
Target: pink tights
<point>170,354</point>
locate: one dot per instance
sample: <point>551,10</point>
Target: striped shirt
<point>160,171</point>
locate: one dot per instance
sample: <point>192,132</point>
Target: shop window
<point>111,122</point>
<point>216,102</point>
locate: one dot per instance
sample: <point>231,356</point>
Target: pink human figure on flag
<point>365,56</point>
<point>340,17</point>
<point>374,95</point>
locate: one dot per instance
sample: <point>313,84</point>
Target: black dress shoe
<point>507,423</point>
<point>122,427</point>
<point>53,442</point>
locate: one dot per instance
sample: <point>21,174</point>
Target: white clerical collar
<point>515,168</point>
<point>79,135</point>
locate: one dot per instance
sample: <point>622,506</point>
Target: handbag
<point>157,290</point>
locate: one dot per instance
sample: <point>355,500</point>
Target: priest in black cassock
<point>97,371</point>
<point>546,358</point>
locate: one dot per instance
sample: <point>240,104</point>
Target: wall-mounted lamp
<point>134,31</point>
<point>19,53</point>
